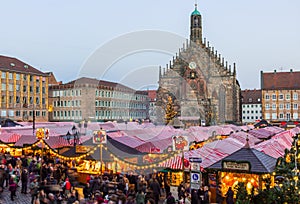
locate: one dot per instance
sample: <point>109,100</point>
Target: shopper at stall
<point>207,195</point>
<point>229,196</point>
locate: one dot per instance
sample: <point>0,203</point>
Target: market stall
<point>246,165</point>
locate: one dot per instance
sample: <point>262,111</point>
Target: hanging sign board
<point>99,137</point>
<point>232,165</point>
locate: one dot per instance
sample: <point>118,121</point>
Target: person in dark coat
<point>194,197</point>
<point>155,187</point>
<point>87,191</point>
<point>24,180</point>
<point>229,196</point>
<point>170,198</point>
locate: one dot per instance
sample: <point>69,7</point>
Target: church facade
<point>204,88</point>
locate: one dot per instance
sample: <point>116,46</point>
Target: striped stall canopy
<point>14,138</point>
<point>172,163</point>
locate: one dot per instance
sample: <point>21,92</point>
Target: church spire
<point>196,26</point>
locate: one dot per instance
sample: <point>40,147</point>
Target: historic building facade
<point>24,91</point>
<point>96,100</point>
<point>251,106</point>
<point>280,96</point>
<point>204,88</point>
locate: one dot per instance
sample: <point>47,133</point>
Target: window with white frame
<point>295,106</point>
<point>288,116</point>
<point>288,97</point>
<point>288,106</point>
<point>281,116</point>
<point>274,116</point>
<point>267,116</point>
<point>267,106</point>
<point>281,106</point>
<point>295,96</point>
<point>273,96</point>
<point>274,106</point>
<point>295,116</point>
<point>280,97</point>
<point>267,97</point>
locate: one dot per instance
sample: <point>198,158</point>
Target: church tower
<point>196,27</point>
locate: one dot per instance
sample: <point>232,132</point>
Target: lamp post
<point>75,136</point>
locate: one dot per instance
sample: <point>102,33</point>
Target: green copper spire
<point>195,12</point>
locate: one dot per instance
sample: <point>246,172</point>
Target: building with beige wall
<point>280,96</point>
<point>96,100</point>
<point>24,91</point>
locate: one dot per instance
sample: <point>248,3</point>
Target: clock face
<point>192,65</point>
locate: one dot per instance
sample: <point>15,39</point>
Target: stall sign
<point>241,166</point>
<point>82,149</point>
<point>99,137</point>
<point>195,167</point>
<point>180,143</point>
<point>195,177</point>
<point>195,159</point>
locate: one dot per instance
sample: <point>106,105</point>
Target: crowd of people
<point>48,181</point>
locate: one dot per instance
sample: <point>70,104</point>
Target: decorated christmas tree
<point>287,173</point>
<point>170,112</point>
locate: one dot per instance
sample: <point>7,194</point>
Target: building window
<point>17,99</point>
<point>295,96</point>
<point>37,89</point>
<point>295,106</point>
<point>267,116</point>
<point>280,96</point>
<point>295,116</point>
<point>288,106</point>
<point>274,106</point>
<point>273,96</point>
<point>281,116</point>
<point>281,106</point>
<point>3,86</point>
<point>274,116</point>
<point>267,106</point>
<point>288,116</point>
<point>30,89</point>
<point>288,96</point>
<point>250,99</point>
<point>3,75</point>
<point>24,77</point>
<point>267,97</point>
<point>17,76</point>
<point>30,78</point>
<point>10,87</point>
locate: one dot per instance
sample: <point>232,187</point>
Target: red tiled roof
<point>251,96</point>
<point>280,80</point>
<point>15,65</point>
<point>152,95</point>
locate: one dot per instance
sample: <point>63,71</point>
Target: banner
<point>99,137</point>
<point>180,143</point>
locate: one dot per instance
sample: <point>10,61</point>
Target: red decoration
<point>186,163</point>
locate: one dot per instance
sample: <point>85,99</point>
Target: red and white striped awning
<point>173,163</point>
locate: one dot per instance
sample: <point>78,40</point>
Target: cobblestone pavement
<point>19,199</point>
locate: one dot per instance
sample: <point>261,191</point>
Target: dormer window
<point>12,64</point>
<point>26,66</point>
<point>250,99</point>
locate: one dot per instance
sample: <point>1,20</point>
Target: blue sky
<point>61,36</point>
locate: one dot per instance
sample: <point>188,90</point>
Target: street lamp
<point>75,136</point>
